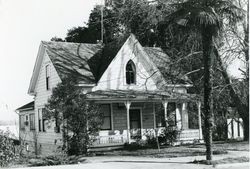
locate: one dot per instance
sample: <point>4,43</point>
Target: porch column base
<point>127,104</point>
<point>199,118</point>
<point>165,105</point>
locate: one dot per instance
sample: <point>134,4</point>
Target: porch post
<point>154,115</point>
<point>199,118</point>
<point>165,104</point>
<point>184,116</point>
<point>127,104</point>
<point>178,116</point>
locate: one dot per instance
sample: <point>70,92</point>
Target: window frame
<point>41,120</point>
<point>22,120</point>
<point>47,76</point>
<point>32,121</point>
<point>130,72</point>
<point>110,117</point>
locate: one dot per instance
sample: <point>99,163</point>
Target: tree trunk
<point>241,107</point>
<point>207,42</point>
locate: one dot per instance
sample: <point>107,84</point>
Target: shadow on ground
<point>131,161</point>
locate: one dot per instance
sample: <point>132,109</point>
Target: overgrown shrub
<point>168,136</point>
<point>220,129</point>
<point>77,117</point>
<point>134,146</point>
<point>151,140</point>
<point>7,149</point>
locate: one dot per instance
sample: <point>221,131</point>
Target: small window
<point>57,125</point>
<point>106,117</point>
<point>32,122</point>
<point>130,73</point>
<point>160,116</point>
<point>41,120</point>
<point>22,121</point>
<point>47,77</point>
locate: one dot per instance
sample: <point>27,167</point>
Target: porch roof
<point>137,95</point>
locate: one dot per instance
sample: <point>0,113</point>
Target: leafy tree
<point>149,21</point>
<point>78,118</point>
<point>91,33</point>
<point>206,17</point>
<point>235,45</point>
<point>56,39</point>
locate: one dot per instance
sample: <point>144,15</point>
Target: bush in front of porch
<point>77,118</point>
<point>166,136</point>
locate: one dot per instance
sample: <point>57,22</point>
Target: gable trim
<point>138,50</point>
<point>36,69</point>
<point>153,71</point>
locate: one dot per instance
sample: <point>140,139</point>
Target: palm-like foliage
<point>206,17</point>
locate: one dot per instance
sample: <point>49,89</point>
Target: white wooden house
<point>133,90</point>
<point>234,124</point>
<point>27,126</point>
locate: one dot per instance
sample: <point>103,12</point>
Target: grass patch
<point>232,145</point>
<point>228,160</point>
<point>167,152</point>
<point>231,160</point>
<point>32,161</point>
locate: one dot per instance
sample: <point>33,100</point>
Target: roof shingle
<point>69,58</point>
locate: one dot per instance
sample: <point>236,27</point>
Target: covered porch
<point>131,115</point>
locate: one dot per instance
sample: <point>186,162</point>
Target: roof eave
<point>179,85</point>
<point>25,109</point>
<point>38,62</point>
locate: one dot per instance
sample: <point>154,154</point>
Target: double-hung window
<point>130,73</point>
<point>32,121</point>
<point>47,72</point>
<point>105,108</point>
<point>41,120</point>
<point>22,120</point>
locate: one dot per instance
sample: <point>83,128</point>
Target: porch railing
<point>190,134</point>
<point>120,137</point>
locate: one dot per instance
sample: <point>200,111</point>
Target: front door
<point>135,123</point>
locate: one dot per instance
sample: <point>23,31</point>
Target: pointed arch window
<point>130,72</point>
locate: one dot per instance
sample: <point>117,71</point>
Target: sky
<point>23,25</point>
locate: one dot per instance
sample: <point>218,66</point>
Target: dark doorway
<point>135,123</point>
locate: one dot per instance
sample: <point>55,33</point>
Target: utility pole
<point>102,27</point>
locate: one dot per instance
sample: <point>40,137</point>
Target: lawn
<point>165,152</point>
<point>180,151</point>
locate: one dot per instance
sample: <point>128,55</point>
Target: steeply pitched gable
<point>88,62</point>
<point>68,59</point>
<point>147,72</point>
<point>72,58</point>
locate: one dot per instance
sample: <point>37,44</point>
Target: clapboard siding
<point>148,116</point>
<point>50,137</point>
<point>26,134</point>
<point>120,115</point>
<point>115,75</point>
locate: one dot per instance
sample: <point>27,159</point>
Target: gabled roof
<point>145,59</point>
<point>73,58</point>
<point>28,106</point>
<point>157,55</point>
<point>162,62</point>
<point>84,60</point>
<point>67,58</point>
